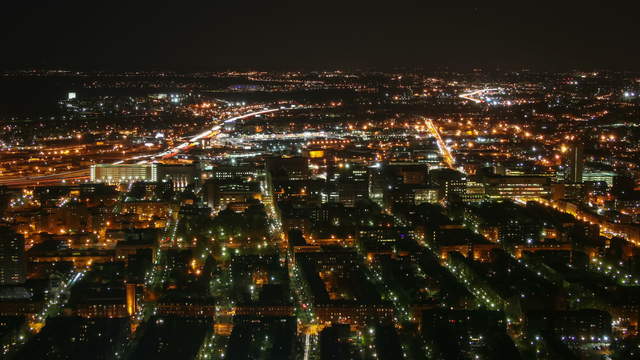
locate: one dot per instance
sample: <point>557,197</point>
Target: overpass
<point>83,174</point>
<point>472,95</point>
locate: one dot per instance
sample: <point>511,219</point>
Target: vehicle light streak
<point>444,151</point>
<point>470,95</point>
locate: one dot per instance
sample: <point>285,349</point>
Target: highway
<point>214,131</point>
<point>444,151</point>
<point>470,95</point>
<point>306,135</point>
<point>83,174</point>
<point>52,179</point>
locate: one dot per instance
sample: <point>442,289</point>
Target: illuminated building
<point>599,176</point>
<point>123,173</point>
<point>230,172</point>
<point>575,164</point>
<point>220,193</point>
<point>102,309</point>
<point>358,315</point>
<point>340,291</point>
<point>410,195</point>
<point>13,266</point>
<point>315,154</point>
<point>508,187</point>
<point>266,310</point>
<point>186,307</point>
<point>426,195</point>
<point>54,251</point>
<point>146,210</point>
<point>180,174</point>
<point>132,302</point>
<point>465,190</point>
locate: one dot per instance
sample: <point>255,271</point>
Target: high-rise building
<point>13,267</point>
<point>575,164</point>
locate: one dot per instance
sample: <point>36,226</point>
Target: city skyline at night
<point>319,181</point>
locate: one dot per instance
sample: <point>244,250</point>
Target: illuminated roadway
<point>236,140</point>
<point>46,179</point>
<point>607,228</point>
<point>214,131</point>
<point>444,151</point>
<point>470,95</point>
<point>83,174</point>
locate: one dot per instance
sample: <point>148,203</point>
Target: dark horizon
<point>287,35</point>
<point>167,71</point>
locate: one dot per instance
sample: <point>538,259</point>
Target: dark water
<point>30,96</point>
<point>37,95</point>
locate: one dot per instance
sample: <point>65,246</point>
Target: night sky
<point>304,34</point>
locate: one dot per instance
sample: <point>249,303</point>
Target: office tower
<point>12,259</point>
<point>575,164</point>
